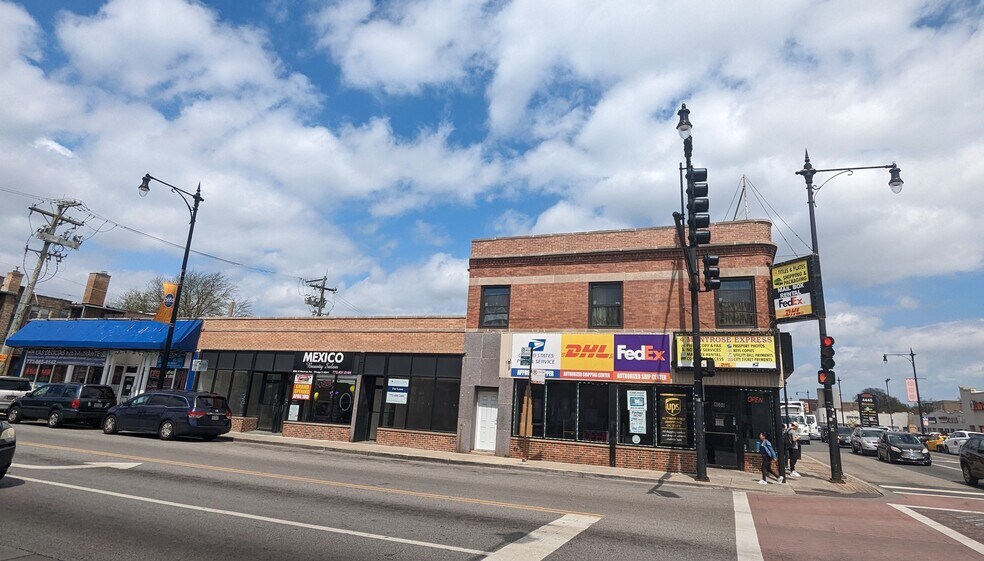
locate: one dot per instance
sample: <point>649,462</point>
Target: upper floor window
<point>605,304</point>
<point>494,306</point>
<point>734,303</point>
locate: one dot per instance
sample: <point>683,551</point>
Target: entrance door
<point>486,412</point>
<point>270,402</point>
<point>126,389</point>
<point>721,428</point>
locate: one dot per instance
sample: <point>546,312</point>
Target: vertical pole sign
<point>526,417</point>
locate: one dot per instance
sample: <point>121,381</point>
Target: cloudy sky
<point>373,141</point>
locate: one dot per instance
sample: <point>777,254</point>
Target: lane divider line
<point>258,518</point>
<point>746,537</point>
<point>939,496</point>
<point>948,532</point>
<point>324,482</point>
<point>932,490</point>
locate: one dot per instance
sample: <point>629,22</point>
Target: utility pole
<point>318,302</point>
<point>48,235</point>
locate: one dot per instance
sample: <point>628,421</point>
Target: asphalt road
<point>220,500</point>
<point>943,474</point>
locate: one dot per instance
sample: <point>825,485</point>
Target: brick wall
<point>417,439</point>
<point>656,459</point>
<point>316,431</point>
<point>549,275</point>
<point>430,334</point>
<point>244,424</point>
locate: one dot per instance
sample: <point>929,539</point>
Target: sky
<point>372,141</point>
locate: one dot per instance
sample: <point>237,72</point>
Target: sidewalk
<point>813,481</point>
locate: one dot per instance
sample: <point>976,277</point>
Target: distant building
<point>972,402</point>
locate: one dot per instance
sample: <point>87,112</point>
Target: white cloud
<point>438,285</point>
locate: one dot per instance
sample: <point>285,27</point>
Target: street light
<point>697,220</point>
<point>193,209</point>
<point>808,171</point>
<point>911,357</point>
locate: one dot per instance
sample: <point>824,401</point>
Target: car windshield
<point>903,439</point>
<point>871,433</point>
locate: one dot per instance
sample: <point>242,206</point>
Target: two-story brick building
<point>606,315</point>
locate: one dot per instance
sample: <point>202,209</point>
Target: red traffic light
<point>828,341</point>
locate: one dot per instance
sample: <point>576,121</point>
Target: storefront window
<point>332,398</point>
<point>674,417</point>
<point>758,416</point>
<point>537,393</point>
<point>561,414</point>
<point>592,418</point>
<point>237,394</point>
<point>445,417</point>
<point>636,414</point>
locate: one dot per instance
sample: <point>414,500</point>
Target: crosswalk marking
<point>933,490</point>
<point>948,532</point>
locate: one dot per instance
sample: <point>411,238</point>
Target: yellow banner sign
<point>749,352</point>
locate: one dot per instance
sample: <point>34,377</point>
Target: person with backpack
<point>768,454</point>
<point>791,443</point>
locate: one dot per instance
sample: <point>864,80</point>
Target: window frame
<point>483,304</point>
<point>621,304</point>
<point>718,314</point>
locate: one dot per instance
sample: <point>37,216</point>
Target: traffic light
<point>712,273</point>
<point>708,367</point>
<point>826,378</point>
<point>697,206</point>
<point>827,353</point>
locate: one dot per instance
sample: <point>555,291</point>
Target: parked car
<point>972,460</point>
<point>935,444</point>
<point>171,413</point>
<point>894,446</point>
<point>843,436</point>
<point>8,443</point>
<point>952,444</point>
<point>12,387</point>
<point>864,440</point>
<point>60,403</point>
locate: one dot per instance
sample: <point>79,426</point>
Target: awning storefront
<point>107,334</point>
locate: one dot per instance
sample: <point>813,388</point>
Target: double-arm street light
<point>808,171</point>
<point>911,357</point>
<point>193,209</point>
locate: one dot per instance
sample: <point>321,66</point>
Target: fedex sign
<point>642,353</point>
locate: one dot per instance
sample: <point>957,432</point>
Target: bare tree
<point>203,295</point>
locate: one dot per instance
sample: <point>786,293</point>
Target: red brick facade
<point>317,431</point>
<point>244,424</point>
<point>657,459</point>
<point>440,441</point>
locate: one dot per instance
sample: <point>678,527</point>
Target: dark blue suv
<point>171,413</point>
<point>60,403</point>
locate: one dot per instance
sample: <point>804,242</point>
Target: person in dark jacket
<point>790,440</point>
<point>768,454</point>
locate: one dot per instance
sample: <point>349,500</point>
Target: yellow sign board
<point>748,352</point>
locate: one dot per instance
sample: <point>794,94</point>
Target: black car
<point>171,413</point>
<point>59,403</point>
<point>896,446</point>
<point>843,436</point>
<point>8,442</point>
<point>972,460</point>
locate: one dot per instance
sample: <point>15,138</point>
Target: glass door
<point>721,428</point>
<point>267,400</point>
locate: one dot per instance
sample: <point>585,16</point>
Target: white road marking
<point>931,490</point>
<point>260,518</point>
<point>746,538</point>
<point>948,532</point>
<point>546,539</point>
<point>939,496</point>
<point>114,465</point>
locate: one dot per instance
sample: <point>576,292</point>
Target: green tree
<point>203,295</point>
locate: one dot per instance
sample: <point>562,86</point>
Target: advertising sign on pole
<point>868,409</point>
<point>910,389</point>
<point>796,290</point>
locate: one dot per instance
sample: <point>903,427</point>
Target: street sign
<point>525,356</point>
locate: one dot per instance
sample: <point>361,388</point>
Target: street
<point>227,500</point>
<point>76,494</point>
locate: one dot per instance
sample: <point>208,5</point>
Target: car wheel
<point>166,431</point>
<point>969,479</point>
<point>14,415</point>
<point>109,425</point>
<point>54,419</point>
<point>946,449</point>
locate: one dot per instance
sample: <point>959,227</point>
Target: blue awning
<point>108,334</point>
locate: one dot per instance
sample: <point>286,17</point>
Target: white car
<point>12,387</point>
<point>864,440</point>
<point>956,439</point>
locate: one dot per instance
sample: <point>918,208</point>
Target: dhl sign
<point>595,356</point>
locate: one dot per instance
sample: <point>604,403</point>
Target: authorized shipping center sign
<point>607,357</point>
<point>797,293</point>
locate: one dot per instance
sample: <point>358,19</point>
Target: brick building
<point>607,316</point>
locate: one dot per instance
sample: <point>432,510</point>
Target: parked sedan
<point>952,444</point>
<point>843,436</point>
<point>171,413</point>
<point>864,440</point>
<point>8,443</point>
<point>902,447</point>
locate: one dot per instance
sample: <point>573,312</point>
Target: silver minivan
<point>12,387</point>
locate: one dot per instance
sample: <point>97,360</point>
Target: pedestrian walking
<point>768,454</point>
<point>790,440</point>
